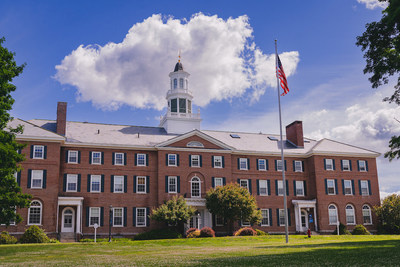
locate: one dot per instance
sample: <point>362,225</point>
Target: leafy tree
<point>389,214</point>
<point>233,203</point>
<point>175,212</point>
<point>10,193</point>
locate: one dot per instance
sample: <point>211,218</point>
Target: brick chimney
<point>61,118</point>
<point>294,133</point>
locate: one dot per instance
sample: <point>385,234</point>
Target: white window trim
<point>351,188</point>
<point>370,214</point>
<point>215,160</point>
<point>69,176</point>
<point>192,160</point>
<point>123,184</point>
<point>302,183</point>
<point>91,183</point>
<point>348,165</point>
<point>176,159</point>
<point>137,185</point>
<point>69,156</point>
<point>122,217</point>
<point>247,182</point>
<point>94,152</point>
<point>144,157</point>
<point>191,187</point>
<point>219,179</point>
<point>240,164</point>
<point>176,184</point>
<point>365,165</point>
<point>266,217</point>
<point>282,224</point>
<point>265,164</point>
<point>246,224</point>
<point>34,148</point>
<point>354,215</point>
<point>337,216</point>
<point>334,186</point>
<point>41,180</point>
<point>277,165</point>
<point>145,217</point>
<point>266,187</point>
<point>41,213</point>
<point>90,215</point>
<point>331,164</point>
<point>301,166</point>
<point>283,188</point>
<point>115,159</point>
<point>367,187</point>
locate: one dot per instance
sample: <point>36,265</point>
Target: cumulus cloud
<point>221,56</point>
<point>372,4</point>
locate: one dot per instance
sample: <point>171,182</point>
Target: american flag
<point>282,77</point>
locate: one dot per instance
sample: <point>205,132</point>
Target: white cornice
<point>39,138</point>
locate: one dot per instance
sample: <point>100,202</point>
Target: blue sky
<point>227,46</point>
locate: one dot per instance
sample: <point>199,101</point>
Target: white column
<point>315,218</point>
<point>296,216</point>
<point>78,218</point>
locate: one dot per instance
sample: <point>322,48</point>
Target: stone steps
<point>67,237</point>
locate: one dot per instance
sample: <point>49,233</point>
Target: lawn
<point>223,251</point>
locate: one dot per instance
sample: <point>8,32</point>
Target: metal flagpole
<point>282,144</point>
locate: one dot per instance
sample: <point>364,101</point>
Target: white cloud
<point>372,4</point>
<point>220,54</point>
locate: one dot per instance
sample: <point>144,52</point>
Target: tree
<point>10,193</point>
<point>175,212</point>
<point>233,203</point>
<point>389,214</point>
<point>381,43</point>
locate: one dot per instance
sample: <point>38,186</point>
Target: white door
<point>68,221</point>
<point>304,220</point>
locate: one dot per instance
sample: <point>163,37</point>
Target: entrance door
<point>304,220</point>
<point>68,221</point>
<point>194,222</point>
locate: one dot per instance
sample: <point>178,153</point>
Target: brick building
<point>77,172</point>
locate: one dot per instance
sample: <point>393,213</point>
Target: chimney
<point>294,133</point>
<point>61,118</point>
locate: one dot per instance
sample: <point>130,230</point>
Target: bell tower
<point>180,118</point>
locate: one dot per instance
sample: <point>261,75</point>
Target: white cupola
<point>180,117</point>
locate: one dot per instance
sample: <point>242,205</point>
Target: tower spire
<point>179,56</point>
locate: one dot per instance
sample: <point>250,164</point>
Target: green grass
<point>224,251</point>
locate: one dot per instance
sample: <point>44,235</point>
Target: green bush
<point>260,232</point>
<point>158,234</point>
<point>34,234</point>
<point>360,230</point>
<point>6,238</point>
<point>207,232</point>
<point>245,231</point>
<point>193,234</point>
<point>342,230</point>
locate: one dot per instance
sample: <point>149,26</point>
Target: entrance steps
<point>67,237</point>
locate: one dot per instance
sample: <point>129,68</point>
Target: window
<point>330,185</point>
<point>118,217</point>
<point>350,217</point>
<point>172,160</point>
<point>119,159</point>
<point>243,164</point>
<point>195,187</point>
<point>333,218</point>
<point>118,184</point>
<point>299,188</point>
<point>141,184</point>
<point>72,156</point>
<point>280,187</point>
<point>174,105</point>
<point>263,187</point>
<point>244,183</point>
<point>172,184</point>
<point>364,188</point>
<point>182,105</point>
<point>38,152</point>
<point>72,183</point>
<point>298,166</point>
<point>217,161</point>
<point>175,83</point>
<point>348,187</point>
<point>218,182</point>
<point>362,166</point>
<point>346,165</point>
<point>140,217</point>
<point>366,211</point>
<point>246,223</point>
<point>189,104</point>
<point>329,166</point>
<point>279,165</point>
<point>219,221</point>
<point>195,160</point>
<point>95,183</point>
<point>94,216</point>
<point>180,83</point>
<point>265,217</point>
<point>194,144</point>
<point>35,213</point>
<point>37,179</point>
<point>282,220</point>
<point>96,157</point>
<point>262,165</point>
<point>141,160</point>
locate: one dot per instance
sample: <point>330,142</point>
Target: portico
<point>305,213</point>
<point>71,215</point>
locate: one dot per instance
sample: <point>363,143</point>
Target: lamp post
<point>110,223</point>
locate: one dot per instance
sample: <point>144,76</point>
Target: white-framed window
<point>35,213</point>
<point>364,188</point>
<point>219,221</point>
<point>262,164</point>
<point>282,221</point>
<point>180,83</point>
<point>263,187</point>
<point>141,160</point>
<point>195,187</point>
<point>366,211</point>
<point>362,166</point>
<point>245,223</point>
<point>348,187</point>
<point>217,161</point>
<point>299,188</point>
<point>119,158</point>
<point>96,157</point>
<point>73,156</point>
<point>244,183</point>
<point>195,160</point>
<point>172,160</point>
<point>333,216</point>
<point>118,217</point>
<point>72,183</point>
<point>194,143</point>
<point>37,179</point>
<point>265,217</point>
<point>345,165</point>
<point>175,83</point>
<point>141,184</point>
<point>350,215</point>
<point>140,217</point>
<point>280,188</point>
<point>94,216</point>
<point>38,152</point>
<point>329,164</point>
<point>330,184</point>
<point>95,183</point>
<point>218,182</point>
<point>172,184</point>
<point>298,166</point>
<point>119,184</point>
<point>243,164</point>
<point>279,165</point>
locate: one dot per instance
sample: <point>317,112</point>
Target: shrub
<point>245,231</point>
<point>207,232</point>
<point>260,232</point>
<point>360,230</point>
<point>158,234</point>
<point>190,230</point>
<point>34,234</point>
<point>342,230</point>
<point>6,238</point>
<point>194,234</point>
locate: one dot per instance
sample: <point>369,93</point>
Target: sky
<point>110,61</point>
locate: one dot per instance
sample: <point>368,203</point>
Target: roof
<point>34,131</point>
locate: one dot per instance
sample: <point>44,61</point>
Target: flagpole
<point>282,144</point>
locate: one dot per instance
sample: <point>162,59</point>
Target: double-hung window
<point>72,183</point>
<point>299,188</point>
<point>195,187</point>
<point>37,179</point>
<point>244,183</point>
<point>118,217</point>
<point>262,165</point>
<point>141,184</point>
<point>362,165</point>
<point>243,164</point>
<point>35,213</point>
<point>218,182</point>
<point>118,184</point>
<point>72,156</point>
<point>217,161</point>
<point>140,217</point>
<point>330,185</point>
<point>279,165</point>
<point>329,165</point>
<point>298,166</point>
<point>265,217</point>
<point>195,160</point>
<point>96,157</point>
<point>172,184</point>
<point>333,217</point>
<point>280,187</point>
<point>172,160</point>
<point>38,152</point>
<point>94,216</point>
<point>364,188</point>
<point>263,187</point>
<point>119,159</point>
<point>95,183</point>
<point>346,165</point>
<point>366,211</point>
<point>350,216</point>
<point>282,220</point>
<point>348,187</point>
<point>141,160</point>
